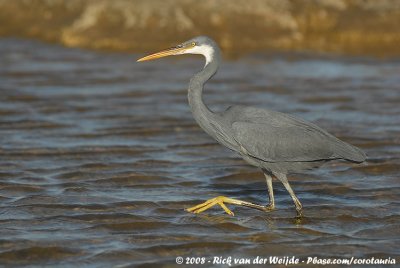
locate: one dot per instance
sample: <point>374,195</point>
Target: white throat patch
<point>205,50</point>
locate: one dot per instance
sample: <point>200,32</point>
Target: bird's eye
<point>193,44</point>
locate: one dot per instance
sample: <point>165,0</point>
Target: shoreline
<point>343,27</point>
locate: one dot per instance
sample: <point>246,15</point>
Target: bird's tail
<point>350,152</point>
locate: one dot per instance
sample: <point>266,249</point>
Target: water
<point>100,156</point>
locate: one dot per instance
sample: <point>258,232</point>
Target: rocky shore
<point>348,27</point>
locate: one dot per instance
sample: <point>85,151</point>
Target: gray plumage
<point>264,135</point>
<point>277,143</point>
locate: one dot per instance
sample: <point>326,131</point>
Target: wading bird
<point>275,142</point>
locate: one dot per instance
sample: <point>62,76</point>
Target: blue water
<point>100,155</point>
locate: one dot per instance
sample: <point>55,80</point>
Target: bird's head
<point>199,45</point>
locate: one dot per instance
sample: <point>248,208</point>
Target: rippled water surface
<point>100,156</point>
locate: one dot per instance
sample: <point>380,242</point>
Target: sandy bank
<point>353,27</point>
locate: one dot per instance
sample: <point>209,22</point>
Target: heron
<point>277,143</point>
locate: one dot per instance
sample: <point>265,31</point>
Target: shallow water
<point>100,155</point>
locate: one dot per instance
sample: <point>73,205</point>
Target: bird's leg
<point>220,200</point>
<point>294,197</point>
<point>283,179</point>
<point>271,205</point>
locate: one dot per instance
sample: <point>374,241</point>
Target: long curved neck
<point>200,111</point>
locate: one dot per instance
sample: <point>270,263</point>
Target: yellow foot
<point>269,208</point>
<point>215,201</point>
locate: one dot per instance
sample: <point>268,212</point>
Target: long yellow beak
<point>164,53</point>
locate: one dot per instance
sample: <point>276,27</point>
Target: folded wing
<point>277,137</point>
